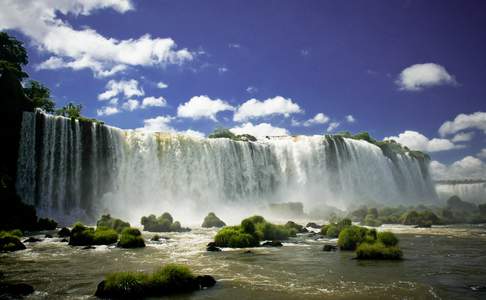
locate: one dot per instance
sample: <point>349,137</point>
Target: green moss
<point>332,230</point>
<point>163,223</point>
<point>131,238</point>
<point>235,237</point>
<point>378,251</point>
<point>9,241</point>
<point>81,235</point>
<point>350,237</point>
<point>105,236</point>
<point>387,238</point>
<point>113,223</point>
<point>211,220</point>
<point>124,285</point>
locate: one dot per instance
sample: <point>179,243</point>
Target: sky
<point>413,71</point>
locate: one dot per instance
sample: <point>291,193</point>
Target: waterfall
<point>71,169</point>
<point>472,192</point>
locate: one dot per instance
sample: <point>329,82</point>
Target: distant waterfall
<point>74,169</point>
<point>471,192</point>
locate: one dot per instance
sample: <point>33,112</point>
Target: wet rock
<point>89,247</point>
<point>329,248</point>
<point>477,288</point>
<point>15,290</point>
<point>248,252</point>
<point>205,281</point>
<point>32,240</point>
<point>313,225</point>
<point>48,236</point>
<point>10,244</point>
<point>155,238</point>
<point>212,247</point>
<point>425,225</point>
<point>64,232</point>
<point>272,244</point>
<point>64,241</point>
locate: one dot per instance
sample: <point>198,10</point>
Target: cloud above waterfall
<point>417,141</point>
<point>128,88</point>
<point>260,130</point>
<point>420,76</point>
<point>163,124</point>
<point>468,167</point>
<point>85,48</point>
<point>277,105</point>
<point>107,111</point>
<point>202,107</point>
<point>333,126</point>
<point>463,122</point>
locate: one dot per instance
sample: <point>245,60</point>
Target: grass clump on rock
<point>378,250</point>
<point>131,238</point>
<point>9,241</point>
<point>332,230</point>
<point>81,235</point>
<point>163,223</point>
<point>113,223</point>
<point>170,279</point>
<point>211,220</point>
<point>250,232</point>
<point>105,236</point>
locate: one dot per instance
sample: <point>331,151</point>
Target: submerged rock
<point>15,290</point>
<point>313,225</point>
<point>329,248</point>
<point>205,281</point>
<point>212,247</point>
<point>272,244</point>
<point>10,243</point>
<point>64,232</point>
<point>32,240</point>
<point>89,247</point>
<point>48,236</point>
<point>64,241</point>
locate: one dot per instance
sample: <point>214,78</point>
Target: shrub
<point>420,218</point>
<point>46,224</point>
<point>123,285</point>
<point>164,223</point>
<point>247,226</point>
<point>332,230</point>
<point>371,220</point>
<point>351,236</point>
<point>81,235</point>
<point>234,237</point>
<point>105,236</point>
<point>378,251</point>
<point>173,278</point>
<point>113,223</point>
<point>131,238</point>
<point>387,238</point>
<point>295,226</point>
<point>211,220</point>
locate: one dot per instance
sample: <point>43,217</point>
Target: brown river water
<point>439,263</point>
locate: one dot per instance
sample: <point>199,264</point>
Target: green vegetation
<point>81,235</point>
<point>296,227</point>
<point>167,280</point>
<point>46,224</point>
<point>131,238</point>
<point>351,236</point>
<point>113,223</point>
<point>226,133</point>
<point>422,219</point>
<point>333,229</point>
<point>378,251</point>
<point>251,231</point>
<point>40,95</point>
<point>163,223</point>
<point>211,220</point>
<point>105,236</point>
<point>9,241</point>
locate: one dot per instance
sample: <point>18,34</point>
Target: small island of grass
<point>211,220</point>
<point>163,223</point>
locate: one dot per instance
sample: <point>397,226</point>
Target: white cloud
<point>129,88</point>
<point>113,101</point>
<point>254,108</point>
<point>107,111</point>
<point>350,119</point>
<point>251,90</point>
<point>319,118</point>
<point>234,45</point>
<point>463,137</point>
<point>475,120</point>
<point>419,76</point>
<point>332,126</point>
<point>417,141</point>
<point>85,48</point>
<point>467,168</point>
<point>202,107</point>
<point>482,153</point>
<point>131,105</point>
<point>162,124</point>
<point>153,101</point>
<point>222,70</point>
<point>193,133</point>
<point>260,130</point>
<point>304,52</point>
<point>162,85</point>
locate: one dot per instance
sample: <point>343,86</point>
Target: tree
<point>40,95</point>
<point>70,110</point>
<point>12,56</point>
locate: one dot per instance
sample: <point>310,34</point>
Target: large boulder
<point>15,290</point>
<point>212,247</point>
<point>211,220</point>
<point>272,244</point>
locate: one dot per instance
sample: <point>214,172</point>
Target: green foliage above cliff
<point>226,133</point>
<point>40,96</point>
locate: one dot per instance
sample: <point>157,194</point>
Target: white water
<point>71,169</point>
<point>471,192</point>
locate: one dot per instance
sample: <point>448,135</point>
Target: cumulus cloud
<point>482,153</point>
<point>462,137</point>
<point>461,122</point>
<point>200,107</point>
<point>85,48</point>
<point>254,108</point>
<point>420,76</point>
<point>319,118</point>
<point>417,141</point>
<point>131,105</point>
<point>162,85</point>
<point>467,168</point>
<point>162,124</point>
<point>332,126</point>
<point>129,88</point>
<point>261,130</point>
<point>251,90</point>
<point>153,101</point>
<point>350,119</point>
<point>107,111</point>
<point>222,70</point>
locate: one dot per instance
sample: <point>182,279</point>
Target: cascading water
<point>72,169</point>
<point>474,192</point>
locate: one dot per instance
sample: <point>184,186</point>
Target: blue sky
<point>401,69</point>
